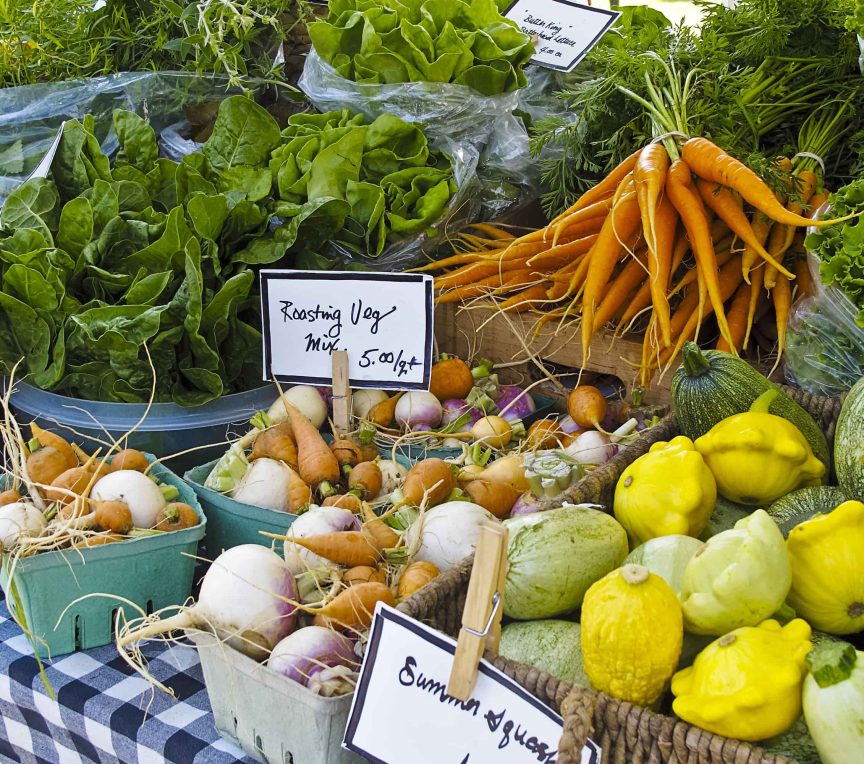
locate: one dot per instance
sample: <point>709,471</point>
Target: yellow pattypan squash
<point>827,556</point>
<point>667,491</point>
<point>747,684</point>
<point>757,457</point>
<point>632,631</point>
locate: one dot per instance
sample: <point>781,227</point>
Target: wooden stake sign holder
<point>484,606</point>
<point>341,394</point>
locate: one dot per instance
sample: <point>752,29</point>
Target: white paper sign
<point>565,31</point>
<point>405,671</point>
<point>383,320</point>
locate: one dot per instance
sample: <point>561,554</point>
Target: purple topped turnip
<point>514,403</point>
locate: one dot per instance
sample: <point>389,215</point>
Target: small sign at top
<point>564,31</point>
<point>383,321</point>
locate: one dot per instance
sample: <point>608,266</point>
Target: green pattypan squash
<point>738,578</point>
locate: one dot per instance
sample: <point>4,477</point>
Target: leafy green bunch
<point>52,40</point>
<point>106,268</point>
<point>840,247</point>
<point>466,42</point>
<point>374,182</point>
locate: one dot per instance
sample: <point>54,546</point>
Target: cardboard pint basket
<point>626,733</point>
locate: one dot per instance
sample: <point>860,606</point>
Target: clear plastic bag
<point>30,115</point>
<point>824,344</point>
<point>455,113</point>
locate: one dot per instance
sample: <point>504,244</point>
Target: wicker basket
<point>627,733</point>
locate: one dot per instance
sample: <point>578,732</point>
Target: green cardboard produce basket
<point>151,571</point>
<point>231,523</point>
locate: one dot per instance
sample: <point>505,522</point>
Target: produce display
<point>685,536</point>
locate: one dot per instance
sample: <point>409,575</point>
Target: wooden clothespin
<point>341,393</point>
<point>484,605</point>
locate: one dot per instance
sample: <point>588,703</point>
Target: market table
<point>104,712</point>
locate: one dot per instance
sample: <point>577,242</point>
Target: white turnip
<point>134,489</point>
<point>242,599</point>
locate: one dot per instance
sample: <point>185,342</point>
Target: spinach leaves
<point>101,264</point>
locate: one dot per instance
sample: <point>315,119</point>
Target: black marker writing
<point>407,678</point>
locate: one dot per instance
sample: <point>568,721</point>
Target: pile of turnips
<point>58,496</point>
<point>284,463</point>
<point>461,401</point>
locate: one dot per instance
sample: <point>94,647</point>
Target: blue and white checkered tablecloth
<point>104,712</point>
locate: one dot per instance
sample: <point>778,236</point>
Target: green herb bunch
<point>755,72</point>
<point>52,40</point>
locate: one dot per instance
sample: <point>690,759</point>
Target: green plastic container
<point>151,571</point>
<point>231,523</point>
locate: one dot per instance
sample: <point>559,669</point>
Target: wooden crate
<point>479,333</point>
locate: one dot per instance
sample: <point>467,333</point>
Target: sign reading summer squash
<point>383,321</point>
<point>406,666</point>
<point>564,31</point>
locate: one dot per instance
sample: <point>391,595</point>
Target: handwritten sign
<point>565,31</point>
<point>406,667</point>
<point>383,320</point>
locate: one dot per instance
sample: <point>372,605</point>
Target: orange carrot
<point>728,207</point>
<point>562,253</point>
<point>483,286</point>
<point>711,163</point>
<point>649,178</point>
<point>761,226</point>
<point>803,278</point>
<point>525,300</point>
<point>723,257</point>
<point>492,231</point>
<point>737,317</point>
<point>299,492</point>
<point>782,299</point>
<point>687,201</point>
<point>631,276</point>
<point>366,479</point>
<point>430,477</point>
<point>276,442</point>
<point>316,463</point>
<point>757,278</point>
<point>383,413</point>
<point>620,226</point>
<point>593,212</point>
<point>381,534</point>
<point>497,498</point>
<point>605,187</point>
<point>354,607</point>
<point>660,264</point>
<point>342,547</point>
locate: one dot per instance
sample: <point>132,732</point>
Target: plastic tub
<point>271,717</point>
<point>152,571</point>
<point>231,523</point>
<point>168,428</point>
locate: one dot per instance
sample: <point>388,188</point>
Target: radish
<point>143,497</point>
<point>242,599</point>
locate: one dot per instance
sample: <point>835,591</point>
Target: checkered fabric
<point>104,712</point>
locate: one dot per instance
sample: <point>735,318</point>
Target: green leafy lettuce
<point>466,42</point>
<point>840,247</point>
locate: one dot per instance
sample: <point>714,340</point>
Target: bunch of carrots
<point>681,231</point>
